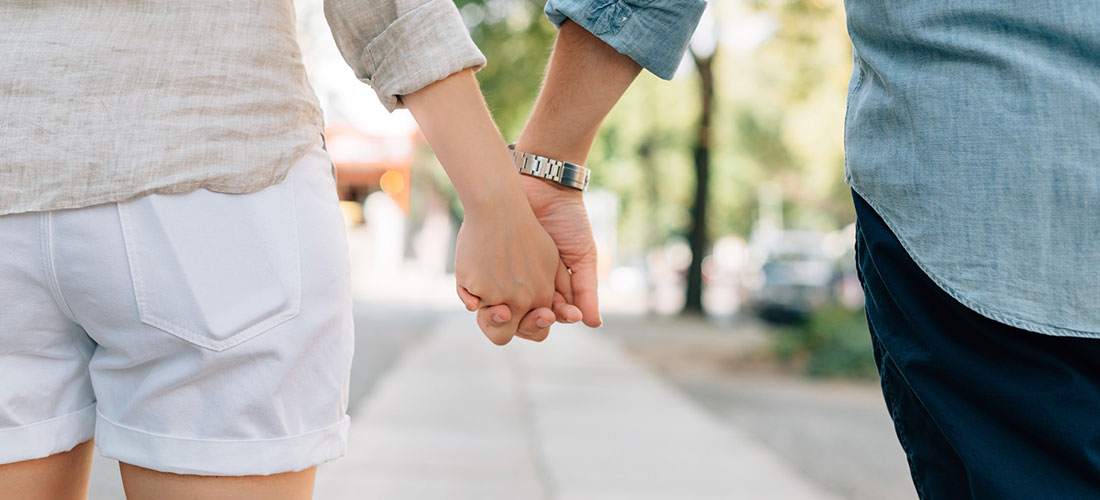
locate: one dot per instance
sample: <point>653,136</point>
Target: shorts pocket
<point>214,269</point>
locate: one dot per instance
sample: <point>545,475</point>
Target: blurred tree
<point>516,39</point>
<point>776,105</point>
<point>785,98</point>
<point>698,239</point>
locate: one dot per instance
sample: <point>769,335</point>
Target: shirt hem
<point>278,174</point>
<point>988,312</point>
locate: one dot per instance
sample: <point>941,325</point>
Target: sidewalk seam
<point>529,418</point>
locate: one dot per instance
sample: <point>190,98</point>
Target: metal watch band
<point>562,172</point>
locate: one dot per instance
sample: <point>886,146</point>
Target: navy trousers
<point>983,410</point>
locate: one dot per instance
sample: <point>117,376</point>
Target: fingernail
<point>497,318</point>
<point>542,322</point>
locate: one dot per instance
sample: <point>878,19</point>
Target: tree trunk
<point>647,160</point>
<point>697,237</point>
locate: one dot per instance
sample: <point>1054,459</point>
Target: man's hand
<point>584,80</point>
<point>561,212</point>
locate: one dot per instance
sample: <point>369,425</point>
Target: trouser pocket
<point>214,269</point>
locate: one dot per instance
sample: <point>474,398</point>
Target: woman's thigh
<point>146,484</point>
<point>61,476</point>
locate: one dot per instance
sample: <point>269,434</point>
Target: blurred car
<point>795,276</point>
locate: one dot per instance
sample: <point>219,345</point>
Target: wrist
<point>544,197</point>
<point>499,194</point>
<point>572,147</point>
<point>544,186</point>
<point>565,173</point>
<point>484,177</point>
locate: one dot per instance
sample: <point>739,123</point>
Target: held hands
<point>585,78</point>
<point>506,265</point>
<point>503,257</point>
<point>563,218</point>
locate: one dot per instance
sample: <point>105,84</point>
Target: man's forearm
<point>585,79</point>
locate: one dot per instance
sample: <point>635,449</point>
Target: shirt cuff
<point>654,33</point>
<point>426,45</point>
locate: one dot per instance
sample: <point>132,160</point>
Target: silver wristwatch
<point>562,172</point>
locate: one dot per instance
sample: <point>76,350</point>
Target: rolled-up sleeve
<point>401,46</point>
<point>654,33</point>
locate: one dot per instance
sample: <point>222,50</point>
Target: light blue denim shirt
<point>973,129</point>
<point>654,33</point>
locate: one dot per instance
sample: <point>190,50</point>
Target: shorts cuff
<point>217,457</point>
<point>48,437</point>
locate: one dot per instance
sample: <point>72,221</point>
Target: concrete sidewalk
<point>572,418</point>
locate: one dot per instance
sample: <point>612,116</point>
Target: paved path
<point>573,418</point>
<point>837,433</point>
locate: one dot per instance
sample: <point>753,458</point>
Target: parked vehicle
<point>794,277</point>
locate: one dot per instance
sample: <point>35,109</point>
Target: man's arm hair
<point>584,80</point>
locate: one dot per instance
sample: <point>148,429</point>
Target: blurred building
<point>368,163</point>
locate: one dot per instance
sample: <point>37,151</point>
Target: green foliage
<point>779,119</point>
<point>779,116</point>
<point>783,103</point>
<point>833,343</point>
<point>643,154</point>
<point>516,39</point>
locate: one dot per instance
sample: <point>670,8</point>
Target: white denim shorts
<point>201,333</point>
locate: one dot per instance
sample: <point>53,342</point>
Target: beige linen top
<point>109,100</point>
